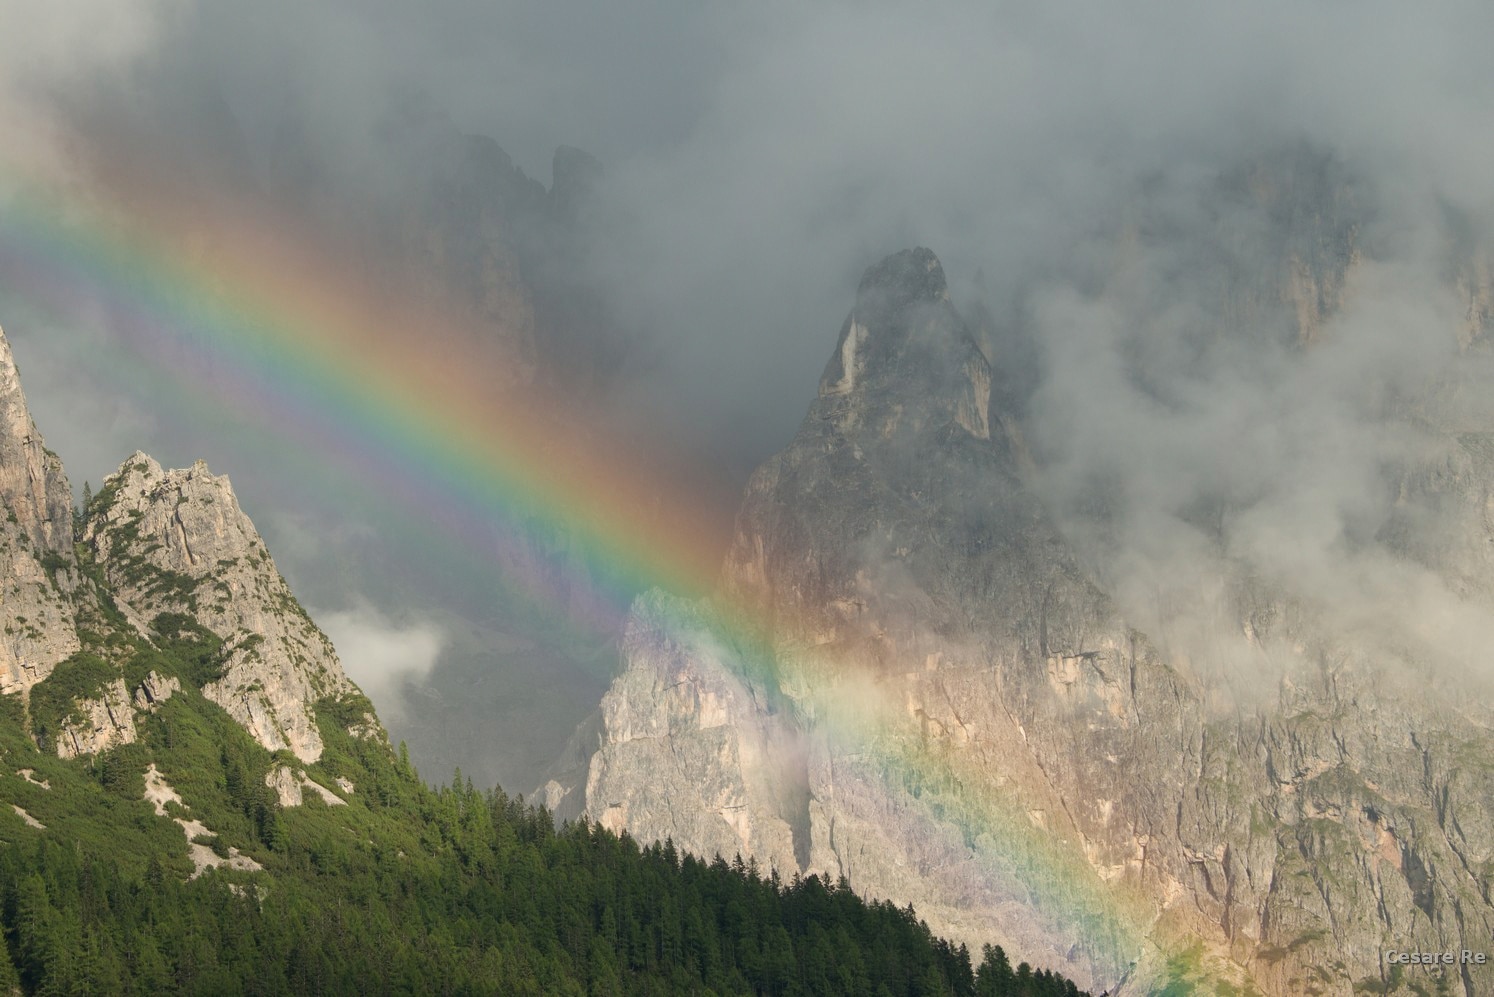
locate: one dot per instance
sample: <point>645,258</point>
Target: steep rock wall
<point>177,542</point>
<point>953,714</point>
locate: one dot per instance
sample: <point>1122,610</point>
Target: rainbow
<point>284,338</point>
<point>272,329</point>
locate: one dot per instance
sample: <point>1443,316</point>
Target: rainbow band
<point>285,337</point>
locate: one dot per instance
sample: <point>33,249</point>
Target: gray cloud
<point>46,45</point>
<point>1090,176</point>
<point>758,159</point>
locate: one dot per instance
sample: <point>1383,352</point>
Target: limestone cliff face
<point>951,713</point>
<point>177,542</point>
<point>107,719</point>
<point>32,481</point>
<point>713,751</point>
<point>98,724</point>
<point>153,543</point>
<point>37,570</point>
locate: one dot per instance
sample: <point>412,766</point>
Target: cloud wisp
<point>380,654</point>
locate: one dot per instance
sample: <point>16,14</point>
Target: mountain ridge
<point>151,544</point>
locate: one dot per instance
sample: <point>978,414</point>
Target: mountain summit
<point>160,557</point>
<point>176,544</point>
<point>37,604</point>
<point>32,483</point>
<point>901,342</point>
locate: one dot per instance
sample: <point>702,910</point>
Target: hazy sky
<point>761,158</point>
<point>758,157</point>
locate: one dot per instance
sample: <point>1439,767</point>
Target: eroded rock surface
<point>163,549</point>
<point>176,542</point>
<point>292,786</point>
<point>37,569</point>
<point>98,724</point>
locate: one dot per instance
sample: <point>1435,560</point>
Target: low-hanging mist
<point>1241,402</point>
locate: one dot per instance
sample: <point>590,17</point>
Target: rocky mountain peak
<point>160,557</point>
<point>173,544</point>
<point>905,360</point>
<point>907,278</point>
<point>36,556</point>
<point>901,562</point>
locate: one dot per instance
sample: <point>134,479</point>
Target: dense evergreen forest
<point>426,891</point>
<point>387,886</point>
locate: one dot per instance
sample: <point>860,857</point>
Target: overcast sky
<point>758,157</point>
<point>762,157</point>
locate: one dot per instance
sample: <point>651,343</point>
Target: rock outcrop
<point>708,744</point>
<point>154,690</point>
<point>32,482</point>
<point>158,551</point>
<point>911,679</point>
<point>176,542</point>
<point>37,570</point>
<point>291,787</point>
<point>98,724</point>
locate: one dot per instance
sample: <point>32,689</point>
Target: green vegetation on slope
<point>405,889</point>
<point>53,700</point>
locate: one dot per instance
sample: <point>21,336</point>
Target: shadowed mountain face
<point>964,704</point>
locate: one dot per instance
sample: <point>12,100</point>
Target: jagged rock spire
<point>36,544</point>
<point>903,342</point>
<point>177,542</point>
<point>32,483</point>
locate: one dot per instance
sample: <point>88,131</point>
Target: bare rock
<point>292,786</point>
<point>154,691</point>
<point>37,568</point>
<point>177,542</point>
<point>98,724</point>
<point>32,482</point>
<point>30,820</point>
<point>707,744</point>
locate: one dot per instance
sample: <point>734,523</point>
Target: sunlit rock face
<point>177,542</point>
<point>98,724</point>
<point>952,710</point>
<point>37,569</point>
<point>154,543</point>
<point>107,720</point>
<point>708,747</point>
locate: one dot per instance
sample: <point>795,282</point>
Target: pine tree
<point>10,979</point>
<point>80,514</point>
<point>995,977</point>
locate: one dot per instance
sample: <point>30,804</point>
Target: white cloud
<point>380,654</point>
